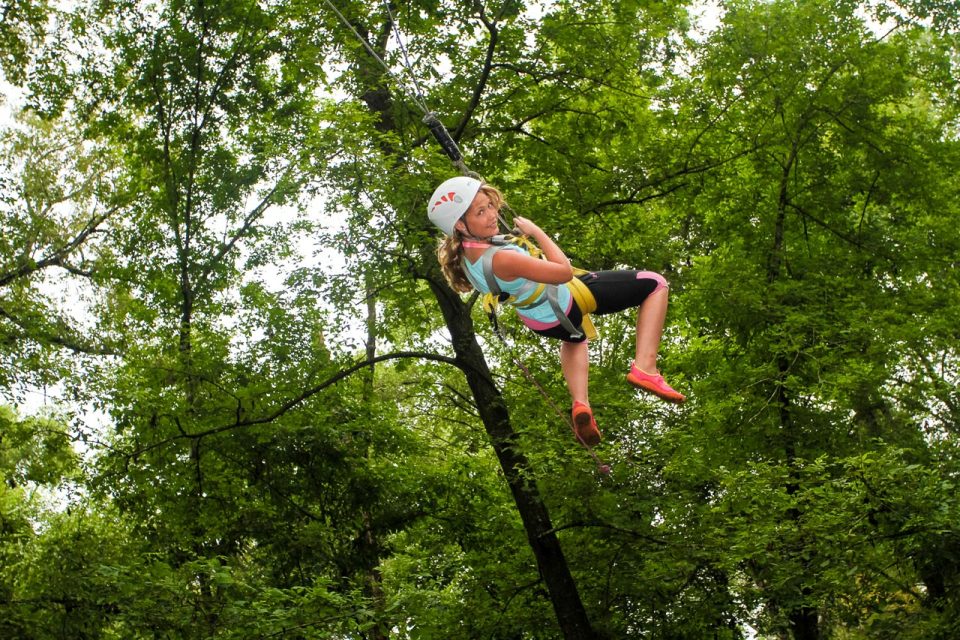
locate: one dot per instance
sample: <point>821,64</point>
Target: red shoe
<point>655,384</point>
<point>584,426</point>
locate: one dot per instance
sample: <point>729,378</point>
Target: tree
<point>805,240</point>
<point>274,462</point>
<point>486,71</point>
<point>58,193</point>
<point>21,29</point>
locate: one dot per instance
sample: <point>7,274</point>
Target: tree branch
<point>293,403</point>
<point>484,75</point>
<point>64,340</point>
<point>604,525</point>
<point>56,256</point>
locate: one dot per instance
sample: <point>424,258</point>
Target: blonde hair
<point>450,251</point>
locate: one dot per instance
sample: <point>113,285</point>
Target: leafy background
<point>239,401</point>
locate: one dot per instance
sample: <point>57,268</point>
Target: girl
<point>468,211</point>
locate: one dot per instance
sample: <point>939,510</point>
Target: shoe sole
<point>582,427</point>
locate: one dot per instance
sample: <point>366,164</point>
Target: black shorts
<point>614,291</point>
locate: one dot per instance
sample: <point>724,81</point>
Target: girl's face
<point>480,220</point>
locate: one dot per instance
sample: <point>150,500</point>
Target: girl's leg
<point>650,319</point>
<point>575,363</point>
<point>618,290</point>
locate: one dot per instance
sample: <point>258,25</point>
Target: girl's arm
<point>510,265</point>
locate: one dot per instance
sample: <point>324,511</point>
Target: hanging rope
<point>602,467</point>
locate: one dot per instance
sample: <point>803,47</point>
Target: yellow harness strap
<point>584,299</point>
<point>491,301</point>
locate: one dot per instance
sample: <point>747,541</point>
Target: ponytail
<point>450,255</point>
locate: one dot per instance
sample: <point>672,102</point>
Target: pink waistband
<point>536,325</point>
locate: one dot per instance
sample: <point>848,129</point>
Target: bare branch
<point>56,256</point>
<point>484,75</point>
<point>604,525</point>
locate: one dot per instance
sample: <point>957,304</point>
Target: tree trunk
<point>369,541</point>
<point>804,619</point>
<point>571,615</point>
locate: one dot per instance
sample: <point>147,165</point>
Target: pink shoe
<point>655,384</point>
<point>584,426</point>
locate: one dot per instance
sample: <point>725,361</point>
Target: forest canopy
<point>239,400</point>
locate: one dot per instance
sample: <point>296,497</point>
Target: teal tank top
<point>538,316</point>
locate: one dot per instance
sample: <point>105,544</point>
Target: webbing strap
<point>574,332</point>
<point>486,263</point>
<point>584,299</point>
<point>528,296</point>
<point>528,293</point>
<point>582,294</point>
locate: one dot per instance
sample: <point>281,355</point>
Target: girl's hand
<point>526,227</point>
<point>511,265</point>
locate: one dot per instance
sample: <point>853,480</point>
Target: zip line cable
<point>403,50</point>
<point>447,143</point>
<point>415,98</point>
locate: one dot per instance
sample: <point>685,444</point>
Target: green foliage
<point>21,30</point>
<point>34,451</point>
<point>57,193</point>
<point>212,222</point>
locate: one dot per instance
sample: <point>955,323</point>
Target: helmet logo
<point>452,196</point>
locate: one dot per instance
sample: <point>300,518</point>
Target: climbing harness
<point>529,295</point>
<point>449,203</point>
<point>532,294</point>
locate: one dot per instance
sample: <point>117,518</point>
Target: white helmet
<point>450,201</point>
